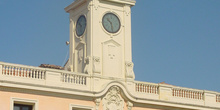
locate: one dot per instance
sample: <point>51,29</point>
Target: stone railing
<point>27,75</point>
<point>74,79</point>
<point>15,75</point>
<point>218,98</point>
<point>176,94</point>
<point>186,93</point>
<point>22,71</point>
<point>146,88</point>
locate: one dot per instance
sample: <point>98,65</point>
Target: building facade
<point>99,73</point>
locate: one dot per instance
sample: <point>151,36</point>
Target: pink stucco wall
<point>45,102</point>
<point>52,102</point>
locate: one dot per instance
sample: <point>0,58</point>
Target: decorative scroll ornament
<point>113,100</point>
<point>129,105</point>
<point>97,103</point>
<point>89,6</point>
<point>93,4</point>
<point>129,70</point>
<point>87,67</point>
<point>127,10</point>
<point>96,65</point>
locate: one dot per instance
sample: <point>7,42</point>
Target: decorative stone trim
<point>127,10</point>
<point>129,70</point>
<point>129,105</point>
<point>94,5</point>
<point>96,65</point>
<point>113,99</point>
<point>97,103</point>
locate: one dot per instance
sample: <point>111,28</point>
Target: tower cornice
<point>73,5</point>
<point>127,2</point>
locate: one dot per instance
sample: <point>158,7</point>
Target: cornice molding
<point>127,2</point>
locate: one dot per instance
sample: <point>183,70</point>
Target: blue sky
<point>176,41</point>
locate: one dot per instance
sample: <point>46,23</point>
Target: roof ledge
<point>74,4</point>
<point>128,2</point>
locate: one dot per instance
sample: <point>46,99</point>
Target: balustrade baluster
<point>72,78</point>
<point>64,77</point>
<point>144,88</point>
<point>34,73</point>
<point>31,73</point>
<point>68,78</point>
<point>13,71</point>
<point>175,92</point>
<point>40,74</point>
<point>153,91</point>
<point>83,79</point>
<point>37,74</point>
<point>28,73</point>
<point>16,71</point>
<point>141,87</point>
<point>3,69</point>
<point>78,80</point>
<point>22,72</point>
<point>25,72</point>
<point>7,70</point>
<point>196,95</point>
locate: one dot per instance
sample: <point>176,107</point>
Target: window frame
<point>80,107</point>
<point>21,101</point>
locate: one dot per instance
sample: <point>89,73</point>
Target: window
<point>80,107</point>
<point>22,107</point>
<point>23,104</point>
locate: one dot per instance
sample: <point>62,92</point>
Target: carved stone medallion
<point>113,99</point>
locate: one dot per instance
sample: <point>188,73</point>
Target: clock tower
<point>100,38</point>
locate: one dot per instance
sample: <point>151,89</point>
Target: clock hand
<point>110,23</point>
<point>80,24</point>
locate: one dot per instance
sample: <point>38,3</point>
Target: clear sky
<point>176,41</point>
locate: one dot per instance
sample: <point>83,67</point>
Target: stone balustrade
<point>16,73</point>
<point>146,88</point>
<point>176,94</point>
<point>23,71</point>
<point>184,93</point>
<point>24,76</point>
<point>74,79</point>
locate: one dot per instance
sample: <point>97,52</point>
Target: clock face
<point>111,23</point>
<point>81,25</point>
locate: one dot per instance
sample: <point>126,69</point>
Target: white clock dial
<point>81,25</point>
<point>111,23</point>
